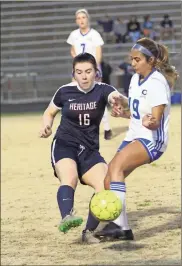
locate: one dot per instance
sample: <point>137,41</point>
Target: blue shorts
<point>153,153</point>
<point>84,157</point>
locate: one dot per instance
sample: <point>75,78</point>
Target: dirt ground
<point>29,212</point>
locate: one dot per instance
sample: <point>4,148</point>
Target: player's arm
<point>98,55</point>
<point>47,121</point>
<point>152,121</point>
<point>158,98</point>
<point>119,103</point>
<point>70,41</point>
<point>49,115</point>
<point>116,97</point>
<point>72,51</point>
<point>120,112</point>
<point>98,43</point>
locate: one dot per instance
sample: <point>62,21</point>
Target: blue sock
<point>118,186</point>
<point>92,222</point>
<point>65,198</point>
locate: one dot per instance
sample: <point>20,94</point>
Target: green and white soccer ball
<point>106,205</point>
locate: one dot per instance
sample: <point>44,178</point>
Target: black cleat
<point>113,231</point>
<point>88,237</point>
<point>107,134</point>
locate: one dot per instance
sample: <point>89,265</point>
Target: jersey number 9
<point>135,105</point>
<point>84,119</point>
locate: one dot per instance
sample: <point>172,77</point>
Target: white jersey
<point>152,91</point>
<point>86,43</point>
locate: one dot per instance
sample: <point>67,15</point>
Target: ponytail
<point>161,62</point>
<point>163,65</point>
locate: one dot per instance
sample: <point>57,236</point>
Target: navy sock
<point>92,222</point>
<point>65,198</point>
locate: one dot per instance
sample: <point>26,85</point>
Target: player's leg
<point>95,179</point>
<point>114,228</point>
<point>66,171</point>
<point>107,129</point>
<point>93,168</point>
<point>65,167</point>
<point>95,176</point>
<point>136,153</point>
<point>130,156</point>
<point>107,180</point>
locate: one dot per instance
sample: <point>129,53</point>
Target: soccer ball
<point>106,205</point>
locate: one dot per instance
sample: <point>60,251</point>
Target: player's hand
<point>115,99</point>
<point>45,132</point>
<point>117,111</point>
<point>148,121</point>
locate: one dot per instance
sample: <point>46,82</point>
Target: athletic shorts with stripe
<point>150,147</point>
<point>84,157</point>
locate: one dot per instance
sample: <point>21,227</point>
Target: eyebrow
<point>135,57</point>
<point>84,70</point>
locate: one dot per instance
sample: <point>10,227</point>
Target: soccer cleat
<point>125,235</point>
<point>113,231</point>
<point>107,134</point>
<point>69,222</point>
<point>89,238</point>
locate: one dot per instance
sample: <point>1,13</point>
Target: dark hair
<point>161,61</point>
<point>146,17</point>
<point>85,57</point>
<point>166,16</point>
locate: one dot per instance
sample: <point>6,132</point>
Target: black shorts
<point>84,157</point>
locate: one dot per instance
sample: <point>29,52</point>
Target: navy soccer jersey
<point>81,113</point>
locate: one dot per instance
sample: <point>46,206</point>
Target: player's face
<point>139,63</point>
<point>84,74</point>
<point>82,20</point>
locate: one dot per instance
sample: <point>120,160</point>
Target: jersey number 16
<point>84,119</point>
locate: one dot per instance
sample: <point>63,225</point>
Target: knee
<point>68,180</point>
<point>116,172</point>
<point>99,186</point>
<point>116,167</point>
<point>96,183</point>
<point>72,182</point>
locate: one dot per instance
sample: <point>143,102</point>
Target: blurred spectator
<point>148,27</point>
<point>107,25</point>
<point>167,29</point>
<point>119,29</point>
<point>106,72</point>
<point>128,72</point>
<point>133,29</point>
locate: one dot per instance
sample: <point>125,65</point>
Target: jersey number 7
<point>83,46</point>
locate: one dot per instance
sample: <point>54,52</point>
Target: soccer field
<point>30,215</point>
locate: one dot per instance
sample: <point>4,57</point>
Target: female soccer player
<point>75,147</point>
<point>149,111</point>
<point>87,39</point>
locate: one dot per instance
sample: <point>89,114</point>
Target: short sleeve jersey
<point>86,43</point>
<point>81,113</point>
<point>152,91</point>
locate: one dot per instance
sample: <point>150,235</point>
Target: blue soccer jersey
<point>81,112</point>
